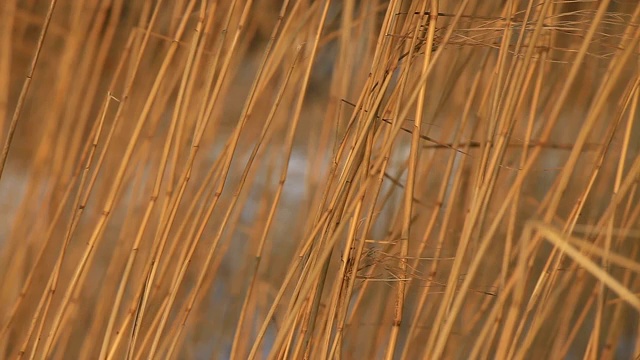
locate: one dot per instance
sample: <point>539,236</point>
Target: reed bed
<point>317,179</point>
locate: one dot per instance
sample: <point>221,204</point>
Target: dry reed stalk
<point>319,179</point>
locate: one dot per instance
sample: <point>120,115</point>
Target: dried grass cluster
<point>318,179</point>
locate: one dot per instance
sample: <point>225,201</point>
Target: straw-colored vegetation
<point>317,179</point>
